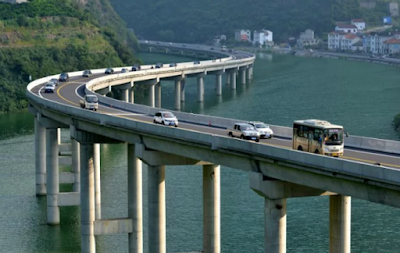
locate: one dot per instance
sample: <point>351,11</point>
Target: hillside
<point>200,20</point>
<point>44,37</point>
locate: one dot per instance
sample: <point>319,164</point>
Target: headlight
<point>326,149</point>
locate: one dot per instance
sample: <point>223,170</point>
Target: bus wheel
<point>316,151</point>
<point>300,148</point>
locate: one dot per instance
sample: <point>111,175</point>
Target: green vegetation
<point>45,37</point>
<point>200,20</point>
<point>396,122</point>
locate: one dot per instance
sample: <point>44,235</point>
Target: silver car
<point>166,118</point>
<point>263,129</point>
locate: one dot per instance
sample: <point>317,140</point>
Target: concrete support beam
<point>275,226</point>
<point>76,165</point>
<point>156,209</point>
<point>88,244</point>
<point>104,91</point>
<point>66,178</point>
<point>177,94</point>
<point>53,211</point>
<point>124,95</point>
<point>97,180</point>
<point>69,199</point>
<point>65,160</point>
<point>135,205</point>
<point>248,74</point>
<point>211,209</point>
<point>200,88</point>
<point>158,95</point>
<point>251,72</point>
<point>228,78</point>
<point>131,96</point>
<point>218,84</point>
<point>114,226</point>
<point>40,158</point>
<point>340,224</point>
<point>243,76</point>
<point>183,82</point>
<point>151,101</point>
<point>233,80</point>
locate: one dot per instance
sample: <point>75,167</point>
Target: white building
<point>307,39</point>
<point>374,43</point>
<point>263,37</point>
<point>391,46</point>
<point>346,28</point>
<point>359,23</point>
<point>348,40</point>
<point>334,39</point>
<point>242,35</point>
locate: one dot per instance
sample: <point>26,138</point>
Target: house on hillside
<point>374,42</point>
<point>346,28</point>
<point>334,39</point>
<point>348,40</point>
<point>263,37</point>
<point>359,23</point>
<point>391,46</point>
<point>242,35</point>
<point>358,46</point>
<point>307,39</point>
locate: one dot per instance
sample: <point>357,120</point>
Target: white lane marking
<point>126,114</point>
<point>40,91</point>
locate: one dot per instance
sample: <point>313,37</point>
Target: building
<point>263,37</point>
<point>359,23</point>
<point>346,28</point>
<point>14,1</point>
<point>217,39</point>
<point>374,42</point>
<point>358,46</point>
<point>242,35</point>
<point>348,40</point>
<point>334,39</point>
<point>391,46</point>
<point>307,39</point>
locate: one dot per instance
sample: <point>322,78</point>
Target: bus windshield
<point>333,136</point>
<point>91,99</point>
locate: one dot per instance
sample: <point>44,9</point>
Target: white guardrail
<point>355,142</point>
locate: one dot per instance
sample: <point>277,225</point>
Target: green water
<point>362,97</point>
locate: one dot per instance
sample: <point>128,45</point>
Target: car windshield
<point>86,72</point>
<point>168,115</point>
<point>53,80</point>
<point>49,85</point>
<point>91,99</point>
<point>247,128</point>
<point>333,136</point>
<point>261,125</point>
<point>63,75</point>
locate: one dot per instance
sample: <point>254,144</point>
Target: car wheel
<point>242,137</point>
<point>154,121</point>
<point>300,148</point>
<point>316,151</point>
<point>176,125</point>
<point>163,122</point>
<point>257,140</point>
<point>230,134</point>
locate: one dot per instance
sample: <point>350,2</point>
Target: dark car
<point>109,71</point>
<point>212,48</point>
<point>159,65</point>
<point>196,62</point>
<point>87,73</point>
<point>124,70</point>
<point>54,80</point>
<point>136,67</point>
<point>172,64</point>
<point>63,77</point>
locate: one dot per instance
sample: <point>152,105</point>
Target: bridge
<point>275,171</point>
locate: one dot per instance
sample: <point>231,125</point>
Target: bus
<point>224,48</point>
<point>318,136</point>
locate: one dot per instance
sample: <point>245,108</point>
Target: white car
<point>49,87</point>
<point>165,118</point>
<point>263,129</point>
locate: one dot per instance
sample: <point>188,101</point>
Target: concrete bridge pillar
<point>131,96</point>
<point>248,74</point>
<point>158,94</point>
<point>200,88</point>
<point>40,158</point>
<point>97,180</point>
<point>76,166</point>
<point>124,95</point>
<point>52,180</point>
<point>183,82</point>
<point>233,80</point>
<point>251,72</point>
<point>228,78</point>
<point>243,76</point>
<point>151,95</point>
<point>135,238</point>
<point>178,94</point>
<point>87,198</point>
<point>218,84</point>
<point>340,224</point>
<point>275,225</point>
<point>211,209</point>
<point>156,208</point>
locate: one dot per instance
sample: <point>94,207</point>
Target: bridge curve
<point>202,140</point>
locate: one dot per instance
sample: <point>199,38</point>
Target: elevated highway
<point>276,172</point>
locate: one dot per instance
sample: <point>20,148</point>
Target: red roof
<point>358,20</point>
<point>350,36</point>
<point>392,41</point>
<point>347,26</point>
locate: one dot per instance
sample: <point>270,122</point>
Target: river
<point>360,96</point>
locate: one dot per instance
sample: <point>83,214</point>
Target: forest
<point>200,20</point>
<point>45,37</point>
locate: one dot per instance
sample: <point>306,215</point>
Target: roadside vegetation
<point>45,37</point>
